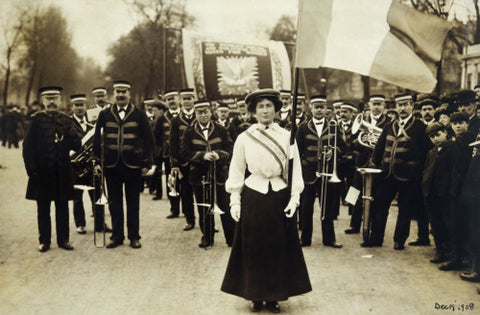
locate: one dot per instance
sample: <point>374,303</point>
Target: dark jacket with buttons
<point>194,146</point>
<point>46,148</point>
<point>128,141</point>
<point>402,154</point>
<point>177,127</point>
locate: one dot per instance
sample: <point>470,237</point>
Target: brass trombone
<point>103,199</point>
<point>322,167</point>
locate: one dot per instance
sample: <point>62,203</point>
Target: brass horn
<point>369,133</point>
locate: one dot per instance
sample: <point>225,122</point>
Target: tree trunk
<point>7,77</point>
<point>30,83</point>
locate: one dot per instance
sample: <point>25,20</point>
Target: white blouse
<point>262,165</point>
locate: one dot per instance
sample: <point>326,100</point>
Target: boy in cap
<point>435,187</point>
<point>461,156</point>
<point>46,147</point>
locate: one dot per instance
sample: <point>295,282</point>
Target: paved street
<point>170,274</point>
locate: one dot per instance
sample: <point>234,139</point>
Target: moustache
<point>121,98</point>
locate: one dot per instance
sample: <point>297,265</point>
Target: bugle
<point>369,133</point>
<point>367,199</point>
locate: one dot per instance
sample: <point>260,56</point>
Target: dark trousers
<point>157,185</point>
<point>473,204</point>
<point>118,178</point>
<point>174,201</point>
<point>207,223</point>
<point>438,209</point>
<point>79,209</point>
<point>45,224</point>
<point>459,227</point>
<point>186,194</point>
<point>13,139</point>
<point>383,196</point>
<point>332,202</point>
<point>420,213</point>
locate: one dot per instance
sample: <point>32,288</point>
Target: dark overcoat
<point>46,148</point>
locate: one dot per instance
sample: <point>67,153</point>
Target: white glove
<point>290,208</point>
<point>235,212</point>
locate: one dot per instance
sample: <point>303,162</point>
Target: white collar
<point>122,107</point>
<point>174,112</point>
<point>404,121</point>
<point>190,112</point>
<point>202,127</point>
<point>79,119</point>
<point>375,117</point>
<point>317,121</point>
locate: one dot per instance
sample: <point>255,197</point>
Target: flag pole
<point>293,130</point>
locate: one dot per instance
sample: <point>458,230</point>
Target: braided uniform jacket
<point>310,148</point>
<point>402,154</point>
<point>194,146</point>
<point>129,140</point>
<point>162,133</point>
<point>178,125</point>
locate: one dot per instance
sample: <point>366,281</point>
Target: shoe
<point>43,247</point>
<point>333,244</point>
<point>205,244</point>
<point>157,198</point>
<point>455,264</point>
<point>171,216</point>
<point>420,243</point>
<point>188,227</point>
<point>305,244</point>
<point>66,246</point>
<point>81,230</point>
<point>352,231</point>
<point>273,307</point>
<point>256,306</point>
<point>135,244</point>
<point>114,244</point>
<point>438,258</point>
<point>470,276</point>
<point>370,244</point>
<point>399,246</point>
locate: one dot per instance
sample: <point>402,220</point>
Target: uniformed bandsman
<point>127,149</point>
<point>244,120</point>
<point>346,165</point>
<point>400,153</point>
<point>223,118</point>
<point>311,137</point>
<point>82,126</point>
<point>286,110</point>
<point>100,99</point>
<point>162,133</point>
<point>300,115</point>
<point>46,147</point>
<point>158,109</point>
<point>179,164</point>
<point>207,147</point>
<point>377,118</point>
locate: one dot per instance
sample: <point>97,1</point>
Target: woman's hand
<point>235,212</point>
<point>290,208</point>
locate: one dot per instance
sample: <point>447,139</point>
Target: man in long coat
<point>46,147</point>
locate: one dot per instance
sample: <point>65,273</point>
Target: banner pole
<point>293,130</point>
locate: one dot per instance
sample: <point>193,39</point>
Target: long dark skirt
<point>266,262</point>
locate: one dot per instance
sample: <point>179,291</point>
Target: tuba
<point>82,159</point>
<point>367,199</point>
<point>369,133</point>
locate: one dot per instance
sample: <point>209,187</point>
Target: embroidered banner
<point>222,69</point>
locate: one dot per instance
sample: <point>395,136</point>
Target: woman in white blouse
<point>266,263</point>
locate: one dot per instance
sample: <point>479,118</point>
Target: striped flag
<point>383,39</point>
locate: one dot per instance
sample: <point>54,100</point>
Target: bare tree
<point>12,24</point>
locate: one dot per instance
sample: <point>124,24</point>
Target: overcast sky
<point>95,24</point>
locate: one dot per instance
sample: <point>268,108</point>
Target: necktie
<point>82,123</point>
<point>122,111</point>
<point>319,123</point>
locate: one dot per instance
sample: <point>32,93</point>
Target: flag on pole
<point>383,39</point>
